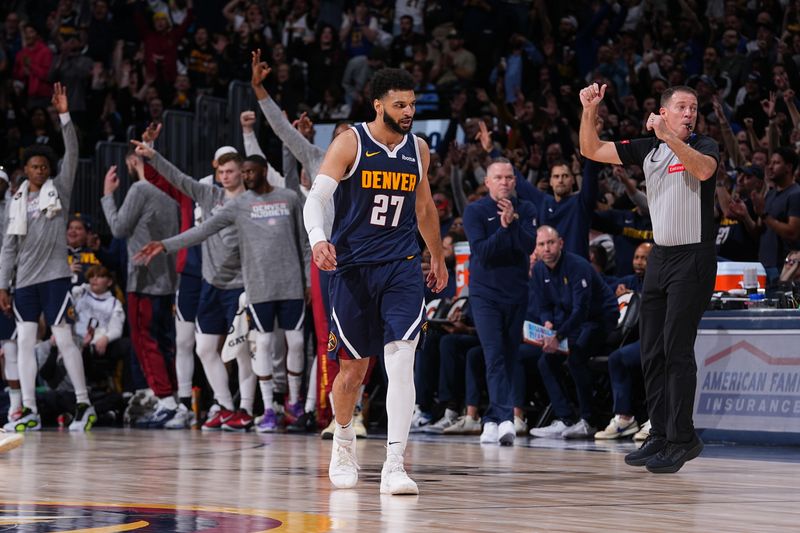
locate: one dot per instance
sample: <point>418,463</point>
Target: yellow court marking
<point>291,522</point>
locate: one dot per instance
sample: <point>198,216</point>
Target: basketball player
<point>221,287</point>
<point>148,212</point>
<point>378,172</point>
<point>8,329</point>
<point>271,240</point>
<point>36,245</point>
<point>310,157</point>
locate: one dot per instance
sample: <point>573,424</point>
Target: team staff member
<point>502,234</point>
<point>579,306</point>
<point>678,165</point>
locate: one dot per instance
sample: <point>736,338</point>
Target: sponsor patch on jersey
<point>404,157</point>
<point>676,168</point>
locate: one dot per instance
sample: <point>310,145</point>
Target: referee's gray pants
<point>678,284</point>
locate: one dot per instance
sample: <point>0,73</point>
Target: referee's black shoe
<point>674,455</point>
<point>649,449</point>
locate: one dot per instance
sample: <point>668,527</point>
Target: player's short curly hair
<point>40,150</point>
<point>390,79</point>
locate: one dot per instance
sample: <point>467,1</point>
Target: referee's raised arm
<point>590,144</point>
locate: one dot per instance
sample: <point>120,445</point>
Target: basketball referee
<point>678,166</point>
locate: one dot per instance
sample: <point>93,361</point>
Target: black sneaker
<point>671,458</point>
<point>305,423</point>
<point>649,448</point>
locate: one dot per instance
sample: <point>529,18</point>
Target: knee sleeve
<point>262,364</point>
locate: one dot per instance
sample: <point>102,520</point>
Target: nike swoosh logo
<point>491,218</point>
<point>370,154</point>
<point>395,442</point>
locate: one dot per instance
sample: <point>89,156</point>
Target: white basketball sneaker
<point>394,479</point>
<point>85,418</point>
<point>343,470</point>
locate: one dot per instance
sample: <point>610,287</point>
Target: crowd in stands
<point>504,76</point>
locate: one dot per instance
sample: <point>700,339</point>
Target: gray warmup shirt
<point>41,255</point>
<point>222,266</point>
<point>681,206</point>
<point>147,214</point>
<point>273,243</point>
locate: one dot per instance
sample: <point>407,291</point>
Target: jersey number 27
<point>381,208</point>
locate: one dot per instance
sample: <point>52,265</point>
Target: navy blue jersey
<point>375,204</point>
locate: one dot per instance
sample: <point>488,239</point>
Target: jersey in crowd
<point>780,205</point>
<point>681,206</point>
<point>375,219</point>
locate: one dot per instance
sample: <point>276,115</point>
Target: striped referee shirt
<point>681,206</point>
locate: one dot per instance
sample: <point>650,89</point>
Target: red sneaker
<point>240,421</point>
<point>217,416</point>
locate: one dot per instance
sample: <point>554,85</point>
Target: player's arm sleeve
<point>199,192</point>
<point>69,164</point>
<point>251,146</point>
<point>634,151</point>
<point>302,240</point>
<point>223,218</point>
<point>314,209</point>
<point>8,259</point>
<point>122,222</point>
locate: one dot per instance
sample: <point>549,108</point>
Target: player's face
<point>398,109</point>
<point>229,175</point>
<point>561,180</point>
<point>548,247</point>
<point>680,114</point>
<point>253,175</point>
<point>500,181</point>
<point>37,169</point>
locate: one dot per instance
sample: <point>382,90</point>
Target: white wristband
<point>64,118</point>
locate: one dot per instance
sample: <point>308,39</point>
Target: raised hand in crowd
<point>111,181</point>
<point>151,133</point>
<point>484,137</point>
<point>305,126</point>
<point>260,72</point>
<point>248,120</point>
<point>59,99</point>
<point>143,150</point>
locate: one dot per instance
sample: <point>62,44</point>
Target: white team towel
<point>236,343</point>
<point>18,210</point>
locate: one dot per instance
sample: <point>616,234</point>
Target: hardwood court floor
<point>126,480</point>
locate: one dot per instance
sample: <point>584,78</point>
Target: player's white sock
<point>10,368</point>
<point>400,393</point>
<point>311,394</point>
<point>265,384</point>
<point>184,356</point>
<point>168,402</point>
<point>294,363</point>
<point>11,372</point>
<point>247,382</point>
<point>214,368</point>
<point>73,361</point>
<point>26,362</point>
<point>15,399</point>
<point>345,431</point>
